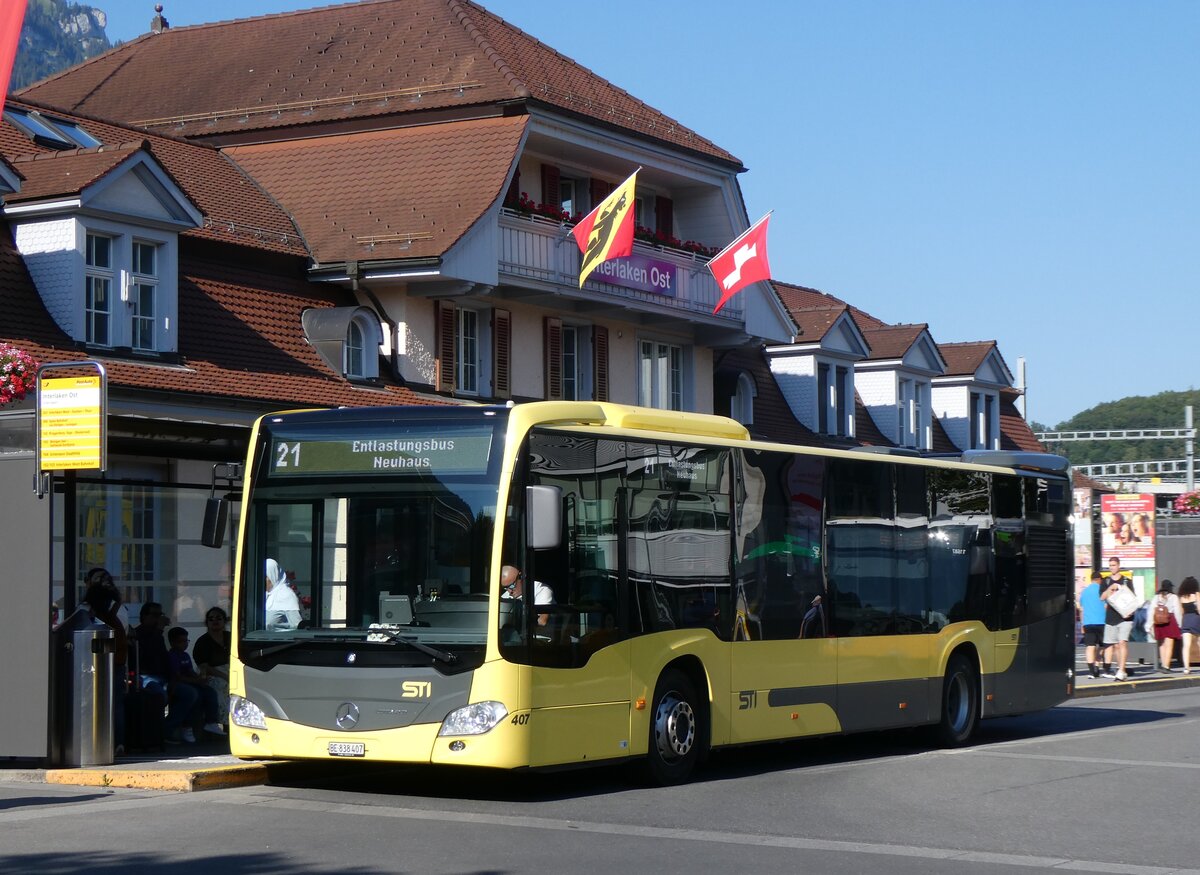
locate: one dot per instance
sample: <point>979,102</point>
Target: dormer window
<point>347,338</point>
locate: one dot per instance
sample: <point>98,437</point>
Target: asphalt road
<point>1098,785</point>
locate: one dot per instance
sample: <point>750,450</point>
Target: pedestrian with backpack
<point>1165,619</point>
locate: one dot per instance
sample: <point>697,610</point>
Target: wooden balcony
<point>538,256</point>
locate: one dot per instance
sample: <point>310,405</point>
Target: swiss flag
<point>742,262</point>
<point>12,13</point>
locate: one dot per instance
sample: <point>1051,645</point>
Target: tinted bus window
<point>959,545</point>
<point>1008,534</point>
<point>861,539</point>
<point>780,591</point>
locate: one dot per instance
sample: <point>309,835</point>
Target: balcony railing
<point>541,249</point>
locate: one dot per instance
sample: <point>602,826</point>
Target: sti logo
<point>416,690</point>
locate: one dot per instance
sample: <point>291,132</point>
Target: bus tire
<point>676,730</point>
<point>960,703</point>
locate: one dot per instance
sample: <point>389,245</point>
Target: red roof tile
<point>54,174</point>
<point>363,60</point>
<point>1015,433</point>
<point>412,191</point>
<point>866,432</point>
<point>892,342</point>
<point>240,335</point>
<point>965,358</point>
<point>235,208</point>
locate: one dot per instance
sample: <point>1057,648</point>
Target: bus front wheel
<point>960,703</point>
<point>676,730</point>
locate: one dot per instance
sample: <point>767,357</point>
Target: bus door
<point>783,659</point>
<point>1010,597</point>
<point>877,560</point>
<point>578,646</point>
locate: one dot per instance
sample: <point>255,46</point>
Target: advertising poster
<point>1127,529</point>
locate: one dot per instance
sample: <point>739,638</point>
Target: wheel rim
<point>674,727</point>
<point>958,703</point>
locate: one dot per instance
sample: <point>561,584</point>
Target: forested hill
<point>1164,410</point>
<point>57,35</point>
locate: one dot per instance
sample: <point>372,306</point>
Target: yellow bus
<point>566,583</point>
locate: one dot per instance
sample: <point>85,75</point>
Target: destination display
<point>447,450</point>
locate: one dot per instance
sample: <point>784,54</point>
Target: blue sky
<point>1019,171</point>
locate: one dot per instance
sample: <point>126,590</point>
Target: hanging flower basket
<point>18,373</point>
<point>1188,503</point>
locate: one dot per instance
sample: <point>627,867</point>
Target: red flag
<point>12,13</point>
<point>742,262</point>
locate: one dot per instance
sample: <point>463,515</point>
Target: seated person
<point>283,605</point>
<point>512,584</point>
<point>189,690</point>
<point>211,656</point>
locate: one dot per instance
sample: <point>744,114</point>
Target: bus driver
<point>512,581</point>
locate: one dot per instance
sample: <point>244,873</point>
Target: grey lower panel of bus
<point>1038,677</point>
<point>385,698</point>
<point>875,705</point>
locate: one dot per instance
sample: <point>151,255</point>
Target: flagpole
<point>735,240</point>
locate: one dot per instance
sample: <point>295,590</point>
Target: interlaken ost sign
<point>641,273</point>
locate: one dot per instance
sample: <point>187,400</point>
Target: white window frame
<point>741,405</point>
<point>124,286</point>
<point>141,282</point>
<point>96,274</point>
<point>466,351</point>
<point>662,374</point>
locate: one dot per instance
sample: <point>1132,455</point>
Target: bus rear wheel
<point>960,703</point>
<point>676,730</point>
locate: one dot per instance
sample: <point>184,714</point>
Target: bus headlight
<point>243,712</point>
<point>473,719</point>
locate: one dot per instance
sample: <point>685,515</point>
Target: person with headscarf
<point>283,605</point>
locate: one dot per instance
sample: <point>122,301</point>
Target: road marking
<point>1088,760</point>
<point>692,835</point>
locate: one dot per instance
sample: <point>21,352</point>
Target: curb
<point>1117,688</point>
<point>185,780</point>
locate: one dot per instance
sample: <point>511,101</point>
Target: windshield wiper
<point>392,637</point>
<point>274,648</point>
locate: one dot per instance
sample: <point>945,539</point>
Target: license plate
<point>347,749</point>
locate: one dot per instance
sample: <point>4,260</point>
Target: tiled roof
<point>814,323</point>
<point>965,358</point>
<point>240,335</point>
<point>54,174</point>
<point>399,193</point>
<point>892,342</point>
<point>797,298</point>
<point>866,432</point>
<point>941,440</point>
<point>365,61</point>
<point>1015,433</point>
<point>235,208</point>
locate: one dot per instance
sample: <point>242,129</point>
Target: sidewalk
<point>1143,673</point>
<point>212,767</point>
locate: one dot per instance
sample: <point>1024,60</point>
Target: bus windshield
<point>379,534</point>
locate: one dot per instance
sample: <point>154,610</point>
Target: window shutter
<point>600,362</point>
<point>444,365</point>
<point>501,353</point>
<point>552,344</point>
<point>664,216</point>
<point>599,190</point>
<point>513,197</point>
<point>550,192</point>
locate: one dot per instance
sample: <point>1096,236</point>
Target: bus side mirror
<point>543,517</point>
<point>216,518</point>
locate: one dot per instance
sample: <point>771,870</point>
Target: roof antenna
<point>158,24</point>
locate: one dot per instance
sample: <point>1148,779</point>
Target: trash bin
<point>83,677</point>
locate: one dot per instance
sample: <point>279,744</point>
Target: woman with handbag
<point>1164,619</point>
